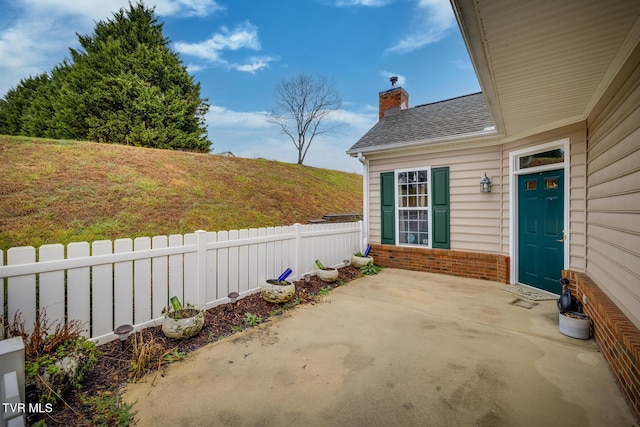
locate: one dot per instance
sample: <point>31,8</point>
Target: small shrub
<point>55,361</point>
<point>144,354</point>
<point>174,356</point>
<point>277,311</point>
<point>109,411</point>
<point>325,291</point>
<point>63,369</point>
<point>370,269</point>
<point>252,319</point>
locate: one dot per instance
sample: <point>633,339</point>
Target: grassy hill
<point>56,191</point>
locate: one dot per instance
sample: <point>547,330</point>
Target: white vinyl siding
<point>613,192</point>
<point>475,217</point>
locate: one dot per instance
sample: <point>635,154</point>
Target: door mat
<point>530,293</point>
<point>524,304</point>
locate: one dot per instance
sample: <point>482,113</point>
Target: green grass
<point>65,191</point>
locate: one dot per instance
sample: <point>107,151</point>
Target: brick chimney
<point>394,99</point>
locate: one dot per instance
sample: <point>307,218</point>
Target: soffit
<point>544,63</point>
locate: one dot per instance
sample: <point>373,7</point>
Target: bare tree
<point>303,105</point>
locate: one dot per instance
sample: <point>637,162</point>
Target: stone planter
<point>185,327</point>
<point>277,292</point>
<point>361,261</point>
<point>574,325</point>
<point>328,275</point>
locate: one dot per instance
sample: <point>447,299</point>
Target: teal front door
<point>541,229</point>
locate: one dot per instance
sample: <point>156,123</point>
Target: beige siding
<point>613,191</point>
<point>475,217</point>
<point>480,222</point>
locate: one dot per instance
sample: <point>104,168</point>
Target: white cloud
<point>187,7</point>
<point>28,49</point>
<point>100,9</point>
<point>373,3</point>
<point>244,35</point>
<point>357,122</point>
<point>223,117</point>
<point>194,68</point>
<point>463,64</point>
<point>433,19</point>
<point>43,30</point>
<point>256,63</point>
<point>402,80</point>
<point>89,9</point>
<point>249,134</point>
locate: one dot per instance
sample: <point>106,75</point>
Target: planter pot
<point>575,325</point>
<point>361,261</point>
<point>183,328</point>
<point>328,275</point>
<point>276,292</point>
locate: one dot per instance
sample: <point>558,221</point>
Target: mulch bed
<point>112,370</point>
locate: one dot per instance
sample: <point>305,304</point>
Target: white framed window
<point>413,204</point>
<point>549,156</point>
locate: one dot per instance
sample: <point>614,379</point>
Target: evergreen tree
<point>16,103</point>
<point>124,85</point>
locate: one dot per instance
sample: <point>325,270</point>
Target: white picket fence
<point>106,284</point>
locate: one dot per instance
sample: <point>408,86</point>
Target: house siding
<point>613,191</point>
<point>480,222</point>
<point>475,217</point>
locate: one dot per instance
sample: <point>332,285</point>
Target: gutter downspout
<point>365,198</point>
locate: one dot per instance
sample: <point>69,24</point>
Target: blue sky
<point>240,49</point>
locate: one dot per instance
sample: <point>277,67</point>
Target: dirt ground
<point>113,369</point>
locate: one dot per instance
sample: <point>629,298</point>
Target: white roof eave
<point>483,138</point>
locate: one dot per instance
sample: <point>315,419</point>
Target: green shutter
<point>387,215</point>
<point>440,208</point>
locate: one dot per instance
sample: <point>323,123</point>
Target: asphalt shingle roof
<point>428,123</point>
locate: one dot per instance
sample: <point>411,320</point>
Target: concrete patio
<point>401,348</point>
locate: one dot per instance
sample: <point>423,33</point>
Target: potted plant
<point>326,274</point>
<point>278,290</point>
<point>181,322</point>
<point>360,260</point>
<point>572,321</point>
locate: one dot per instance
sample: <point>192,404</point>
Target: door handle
<point>564,237</point>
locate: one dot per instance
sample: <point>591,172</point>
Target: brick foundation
<point>617,337</point>
<point>475,265</point>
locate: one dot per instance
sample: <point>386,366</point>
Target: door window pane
<point>551,183</point>
<point>541,159</point>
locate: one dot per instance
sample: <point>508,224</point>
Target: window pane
<point>414,227</point>
<point>541,159</point>
<point>413,203</point>
<point>423,191</point>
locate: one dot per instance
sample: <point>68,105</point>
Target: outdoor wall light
<point>485,184</point>
<point>123,332</point>
<point>233,296</point>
